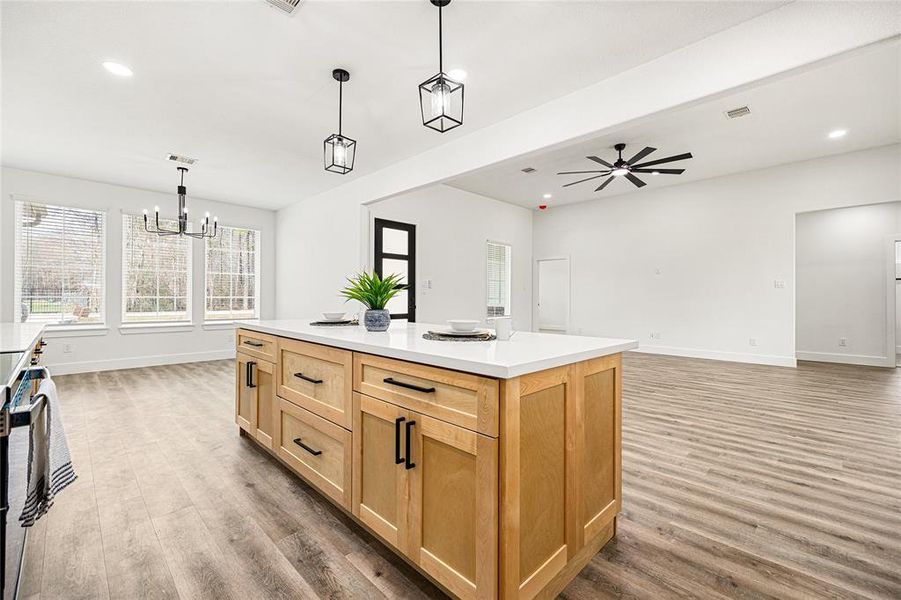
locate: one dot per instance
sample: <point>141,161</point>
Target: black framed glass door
<point>395,252</point>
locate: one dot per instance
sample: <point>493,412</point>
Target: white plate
<point>463,325</point>
<point>325,317</point>
<point>473,333</point>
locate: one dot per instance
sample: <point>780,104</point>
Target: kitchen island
<point>492,467</point>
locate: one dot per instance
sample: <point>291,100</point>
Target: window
<point>232,275</point>
<point>499,266</point>
<point>156,274</point>
<point>59,259</point>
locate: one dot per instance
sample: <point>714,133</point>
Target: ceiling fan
<point>627,168</point>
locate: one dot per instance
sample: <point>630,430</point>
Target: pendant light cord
<point>340,104</point>
<point>440,44</point>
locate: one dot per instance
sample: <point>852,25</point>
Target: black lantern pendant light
<point>338,149</point>
<point>206,231</point>
<point>440,97</point>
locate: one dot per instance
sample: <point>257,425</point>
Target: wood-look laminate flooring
<point>739,481</point>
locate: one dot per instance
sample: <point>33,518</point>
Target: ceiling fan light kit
<point>627,168</point>
<point>440,97</point>
<point>206,229</point>
<point>339,150</point>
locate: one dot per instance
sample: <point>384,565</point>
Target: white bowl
<point>334,316</point>
<point>462,325</point>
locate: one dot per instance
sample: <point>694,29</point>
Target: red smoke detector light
<point>542,207</point>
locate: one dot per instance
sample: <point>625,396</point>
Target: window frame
<point>123,274</point>
<point>256,265</point>
<point>508,309</point>
<point>17,283</point>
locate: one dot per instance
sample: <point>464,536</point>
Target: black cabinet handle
<point>397,457</point>
<point>409,386</point>
<point>253,343</point>
<point>250,383</point>
<point>305,378</point>
<point>410,464</point>
<point>307,448</point>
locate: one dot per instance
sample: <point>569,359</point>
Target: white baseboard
<point>138,361</point>
<point>757,359</point>
<point>847,359</point>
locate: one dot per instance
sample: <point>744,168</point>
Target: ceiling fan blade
<point>663,171</point>
<point>663,160</point>
<point>581,172</point>
<point>641,155</point>
<point>583,180</point>
<point>599,160</point>
<point>603,185</point>
<point>638,182</point>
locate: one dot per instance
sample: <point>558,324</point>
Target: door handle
<point>305,378</point>
<point>307,448</point>
<point>250,383</point>
<point>397,457</point>
<point>409,386</point>
<point>410,464</point>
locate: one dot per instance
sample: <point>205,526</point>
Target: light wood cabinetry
<point>492,488</point>
<point>257,345</point>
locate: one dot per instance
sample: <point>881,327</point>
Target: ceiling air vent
<point>528,170</point>
<point>741,111</point>
<point>288,6</point>
<point>181,159</point>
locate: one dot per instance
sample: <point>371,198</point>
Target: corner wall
<point>720,245</point>
<point>110,348</point>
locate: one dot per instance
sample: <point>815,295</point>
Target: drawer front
<point>317,449</point>
<point>318,378</point>
<point>258,345</point>
<point>466,400</point>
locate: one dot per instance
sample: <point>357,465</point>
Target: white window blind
<point>156,273</point>
<point>232,275</point>
<point>59,276</point>
<point>499,266</point>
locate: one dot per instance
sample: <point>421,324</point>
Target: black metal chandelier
<point>440,97</point>
<point>338,149</point>
<point>206,231</point>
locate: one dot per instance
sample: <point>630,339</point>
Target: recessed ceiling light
<point>117,69</point>
<point>547,196</point>
<point>457,74</point>
<point>837,133</point>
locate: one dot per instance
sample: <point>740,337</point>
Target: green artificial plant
<point>372,291</point>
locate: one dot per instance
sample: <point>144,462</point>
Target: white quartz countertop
<point>18,337</point>
<point>525,352</point>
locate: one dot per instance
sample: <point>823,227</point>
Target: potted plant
<point>373,292</point>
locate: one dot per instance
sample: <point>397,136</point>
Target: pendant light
<point>206,231</point>
<point>440,97</point>
<point>338,149</point>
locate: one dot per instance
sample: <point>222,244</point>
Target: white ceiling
<point>248,90</point>
<point>790,120</point>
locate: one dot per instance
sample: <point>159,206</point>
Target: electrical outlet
<point>779,284</point>
<point>67,348</point>
<point>752,341</point>
<point>655,335</point>
<point>843,342</point>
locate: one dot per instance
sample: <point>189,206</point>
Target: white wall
<point>898,297</point>
<point>317,236</point>
<point>111,348</point>
<point>841,283</point>
<point>452,228</point>
<point>720,246</point>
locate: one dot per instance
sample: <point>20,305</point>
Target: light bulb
<point>339,154</point>
<point>441,98</point>
<point>619,172</point>
<point>186,210</point>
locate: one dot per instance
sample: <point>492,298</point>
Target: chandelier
<point>205,230</point>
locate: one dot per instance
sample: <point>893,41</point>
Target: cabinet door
<point>453,505</point>
<point>264,413</point>
<point>380,487</point>
<point>245,393</point>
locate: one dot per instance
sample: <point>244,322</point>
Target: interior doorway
<point>553,294</point>
<point>395,253</point>
<point>897,304</point>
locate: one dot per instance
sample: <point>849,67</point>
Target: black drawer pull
<point>398,459</point>
<point>253,343</point>
<point>410,464</point>
<point>249,375</point>
<point>307,448</point>
<point>409,386</point>
<point>305,378</point>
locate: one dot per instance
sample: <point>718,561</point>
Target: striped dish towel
<point>49,464</point>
